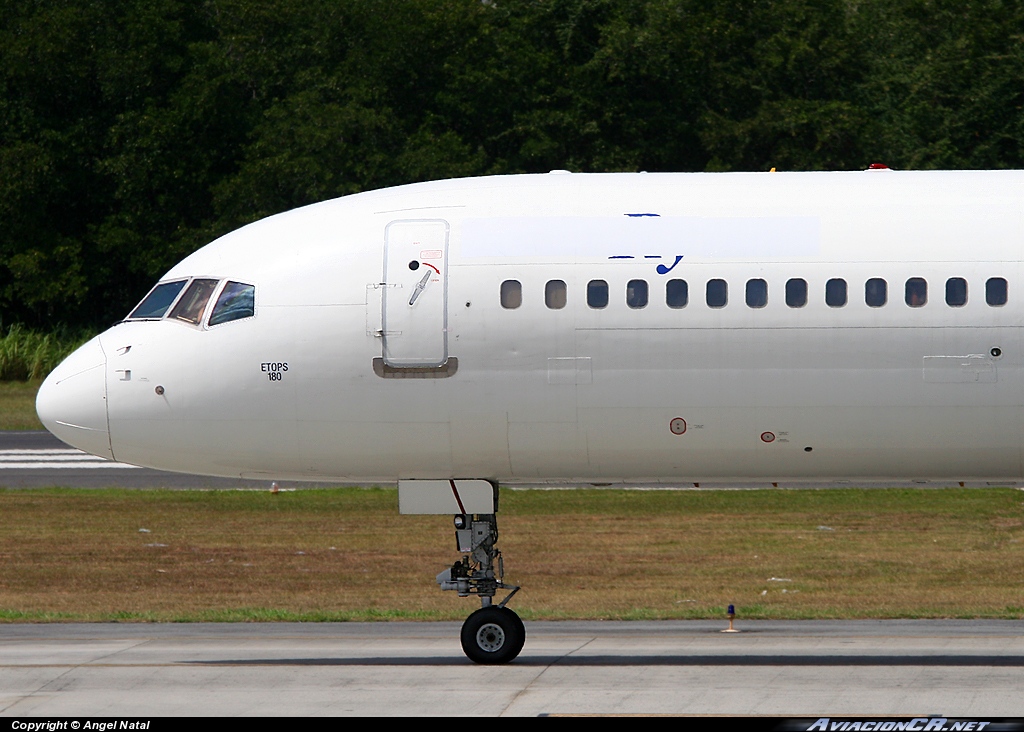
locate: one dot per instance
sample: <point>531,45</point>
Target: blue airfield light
<point>731,613</point>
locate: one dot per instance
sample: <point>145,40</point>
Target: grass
<point>18,405</point>
<point>346,554</point>
<point>26,355</point>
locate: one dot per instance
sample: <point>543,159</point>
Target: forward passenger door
<point>415,297</point>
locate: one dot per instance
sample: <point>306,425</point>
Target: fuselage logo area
<point>274,370</point>
<point>660,269</point>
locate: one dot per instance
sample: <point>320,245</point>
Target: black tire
<point>522,628</point>
<point>493,635</point>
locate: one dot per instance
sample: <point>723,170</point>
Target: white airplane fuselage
<point>381,346</point>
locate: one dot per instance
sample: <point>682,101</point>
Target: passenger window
<point>796,293</point>
<point>155,304</point>
<point>192,304</point>
<point>636,294</point>
<point>876,292</point>
<point>956,292</point>
<point>677,293</point>
<point>917,292</point>
<point>757,293</point>
<point>597,294</point>
<point>995,291</point>
<point>835,293</point>
<point>554,294</point>
<point>511,294</point>
<point>236,301</point>
<point>717,293</point>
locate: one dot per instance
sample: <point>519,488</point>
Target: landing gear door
<point>415,300</point>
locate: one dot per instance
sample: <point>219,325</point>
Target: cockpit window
<point>192,304</point>
<point>236,301</point>
<point>158,300</point>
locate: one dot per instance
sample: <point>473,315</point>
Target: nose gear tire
<point>493,635</point>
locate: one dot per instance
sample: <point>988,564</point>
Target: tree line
<point>134,131</point>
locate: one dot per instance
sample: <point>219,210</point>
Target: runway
<point>793,669</point>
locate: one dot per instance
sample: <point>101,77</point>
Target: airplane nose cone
<point>72,402</point>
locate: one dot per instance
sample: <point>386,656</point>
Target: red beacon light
<point>879,166</point>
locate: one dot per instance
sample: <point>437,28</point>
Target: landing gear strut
<point>493,634</point>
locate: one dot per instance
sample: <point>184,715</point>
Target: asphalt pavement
<point>797,669</point>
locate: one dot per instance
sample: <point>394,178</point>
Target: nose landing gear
<point>494,634</point>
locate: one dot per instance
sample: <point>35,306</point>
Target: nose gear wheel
<point>493,635</point>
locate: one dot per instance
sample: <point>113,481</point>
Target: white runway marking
<point>50,459</point>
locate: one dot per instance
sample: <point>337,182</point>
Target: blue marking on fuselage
<point>662,269</point>
<point>639,215</point>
